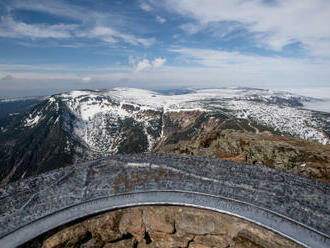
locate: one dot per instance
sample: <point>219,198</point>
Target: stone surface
<point>104,227</point>
<point>296,207</point>
<point>167,240</point>
<point>132,223</point>
<point>159,220</point>
<point>126,243</point>
<point>93,243</point>
<point>298,156</point>
<point>211,241</point>
<point>97,230</point>
<point>194,223</point>
<point>196,228</point>
<point>72,234</point>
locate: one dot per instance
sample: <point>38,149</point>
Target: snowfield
<point>296,122</point>
<point>100,114</point>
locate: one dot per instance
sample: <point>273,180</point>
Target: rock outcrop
<point>162,226</point>
<point>306,158</point>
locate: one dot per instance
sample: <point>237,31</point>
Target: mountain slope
<point>38,142</point>
<point>12,108</point>
<point>82,125</point>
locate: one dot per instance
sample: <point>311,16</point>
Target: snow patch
<point>32,121</point>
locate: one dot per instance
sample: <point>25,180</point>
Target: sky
<point>53,46</point>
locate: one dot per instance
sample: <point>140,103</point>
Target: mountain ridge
<point>87,124</point>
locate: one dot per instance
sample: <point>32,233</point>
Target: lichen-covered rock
<point>298,156</point>
<point>163,226</point>
<point>171,241</point>
<point>144,244</point>
<point>210,241</point>
<point>160,219</point>
<point>104,227</point>
<point>132,222</point>
<point>241,242</point>
<point>192,222</point>
<point>93,243</point>
<point>67,237</point>
<point>126,243</point>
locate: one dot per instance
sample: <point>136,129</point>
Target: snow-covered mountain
<point>99,113</point>
<point>81,125</point>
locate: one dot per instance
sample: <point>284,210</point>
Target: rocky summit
<point>302,157</point>
<point>68,128</point>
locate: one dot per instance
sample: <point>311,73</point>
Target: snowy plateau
<point>99,116</point>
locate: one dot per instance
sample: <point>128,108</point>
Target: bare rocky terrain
<point>161,226</point>
<point>298,156</point>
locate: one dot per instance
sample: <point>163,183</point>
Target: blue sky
<point>51,46</point>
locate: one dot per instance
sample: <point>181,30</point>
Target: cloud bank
<point>88,24</point>
<point>275,24</point>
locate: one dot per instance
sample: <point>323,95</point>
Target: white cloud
<point>159,62</point>
<point>65,69</point>
<point>252,63</point>
<point>26,67</point>
<point>86,79</point>
<point>143,65</point>
<point>191,28</point>
<point>160,19</point>
<point>257,71</point>
<point>147,65</point>
<point>145,6</point>
<point>277,24</point>
<point>110,35</point>
<point>10,28</point>
<point>61,8</point>
<point>91,24</point>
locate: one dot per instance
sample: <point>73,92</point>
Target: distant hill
<point>10,108</point>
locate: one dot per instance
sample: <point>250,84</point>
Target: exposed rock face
<point>306,158</point>
<point>162,226</point>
